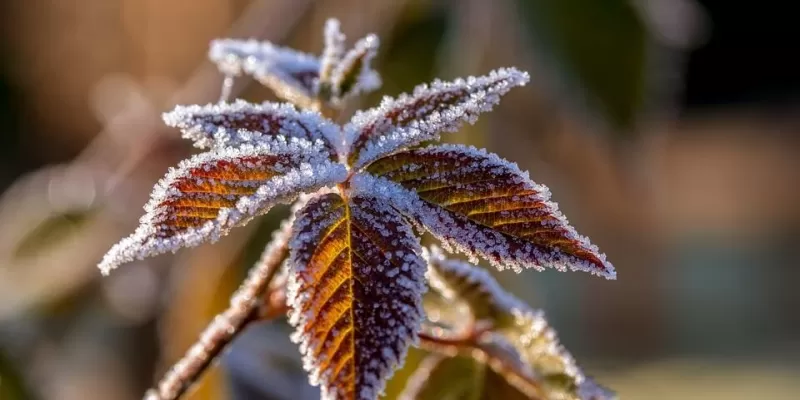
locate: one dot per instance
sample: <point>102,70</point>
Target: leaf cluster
<point>356,272</point>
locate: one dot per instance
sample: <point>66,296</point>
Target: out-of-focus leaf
<point>483,206</point>
<point>11,384</point>
<point>49,232</point>
<point>354,74</point>
<point>521,336</point>
<point>599,49</point>
<point>397,384</point>
<point>449,313</point>
<point>458,378</point>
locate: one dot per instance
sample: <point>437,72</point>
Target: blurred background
<point>666,129</point>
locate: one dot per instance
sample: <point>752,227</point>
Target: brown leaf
<point>355,291</point>
<point>484,206</point>
<point>213,192</point>
<point>240,122</point>
<point>411,119</point>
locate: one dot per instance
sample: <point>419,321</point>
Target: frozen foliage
<point>301,78</point>
<point>355,272</point>
<point>354,292</point>
<point>354,74</point>
<point>210,193</point>
<point>482,206</point>
<point>458,280</point>
<point>528,334</point>
<point>232,124</point>
<point>291,74</point>
<point>333,51</point>
<point>427,112</point>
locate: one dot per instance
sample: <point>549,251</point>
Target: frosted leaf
<point>483,206</point>
<point>459,281</point>
<point>354,74</point>
<point>526,330</point>
<point>233,124</point>
<point>333,51</point>
<point>430,110</point>
<point>355,292</point>
<point>292,75</point>
<point>210,193</point>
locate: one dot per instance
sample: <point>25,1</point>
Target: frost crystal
<point>233,124</point>
<point>355,292</point>
<point>355,273</point>
<point>333,51</point>
<point>458,280</point>
<point>423,115</point>
<point>291,74</point>
<point>354,74</point>
<point>210,193</point>
<point>302,78</point>
<point>482,206</point>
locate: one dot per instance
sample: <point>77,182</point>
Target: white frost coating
<point>387,269</point>
<point>456,233</point>
<point>306,169</point>
<point>291,74</point>
<point>235,57</point>
<point>368,79</point>
<point>220,125</point>
<point>479,279</point>
<point>334,49</point>
<point>435,108</point>
<point>531,322</point>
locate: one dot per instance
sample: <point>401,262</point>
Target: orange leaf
<point>355,291</point>
<point>211,193</point>
<point>484,206</point>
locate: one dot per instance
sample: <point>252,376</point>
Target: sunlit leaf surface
<point>484,206</point>
<point>233,124</point>
<point>212,192</point>
<point>355,291</point>
<point>429,111</point>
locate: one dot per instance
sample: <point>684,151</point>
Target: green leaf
<point>520,336</point>
<point>50,231</point>
<point>457,378</point>
<point>12,386</point>
<point>599,49</point>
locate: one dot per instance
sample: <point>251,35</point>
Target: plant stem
<point>471,345</point>
<point>243,309</point>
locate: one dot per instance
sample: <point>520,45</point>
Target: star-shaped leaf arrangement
<point>356,269</point>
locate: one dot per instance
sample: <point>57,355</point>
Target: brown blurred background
<point>666,129</point>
